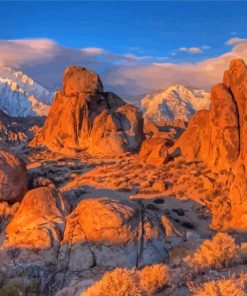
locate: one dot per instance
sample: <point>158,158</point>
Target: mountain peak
<point>21,96</point>
<point>175,102</point>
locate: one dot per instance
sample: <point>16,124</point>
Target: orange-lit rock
<point>223,128</point>
<point>192,140</point>
<point>105,220</point>
<point>80,80</point>
<point>101,231</point>
<point>13,177</point>
<point>37,226</point>
<point>83,117</point>
<point>153,151</point>
<point>216,136</point>
<point>106,232</point>
<point>236,79</point>
<point>238,199</point>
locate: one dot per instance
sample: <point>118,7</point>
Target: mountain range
<point>21,96</point>
<point>176,102</point>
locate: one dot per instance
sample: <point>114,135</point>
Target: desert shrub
<point>216,253</point>
<point>153,278</point>
<point>124,282</point>
<point>120,282</point>
<point>223,287</point>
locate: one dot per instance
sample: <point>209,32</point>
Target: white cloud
<point>235,40</point>
<point>145,78</point>
<point>92,50</point>
<point>130,74</point>
<point>18,52</point>
<point>133,57</point>
<point>191,50</point>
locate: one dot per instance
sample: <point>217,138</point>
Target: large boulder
<point>107,232</point>
<point>37,227</point>
<point>191,141</point>
<point>13,177</point>
<point>154,151</point>
<point>83,117</point>
<point>80,80</point>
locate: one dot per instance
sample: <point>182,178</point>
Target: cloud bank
<point>127,74</point>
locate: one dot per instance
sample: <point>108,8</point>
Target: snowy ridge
<point>176,102</point>
<point>22,96</point>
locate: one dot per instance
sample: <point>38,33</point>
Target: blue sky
<point>141,28</point>
<point>136,47</point>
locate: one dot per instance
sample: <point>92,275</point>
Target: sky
<point>136,47</point>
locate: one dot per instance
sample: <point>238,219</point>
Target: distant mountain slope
<point>176,102</point>
<point>18,130</point>
<point>22,96</point>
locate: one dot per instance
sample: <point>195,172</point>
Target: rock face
<point>82,116</point>
<point>37,226</point>
<point>238,193</point>
<point>153,151</point>
<point>13,177</point>
<point>217,136</point>
<point>106,232</point>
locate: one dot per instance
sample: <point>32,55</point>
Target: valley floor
<point>190,196</point>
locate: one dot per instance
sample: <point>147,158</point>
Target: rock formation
<point>37,227</point>
<point>154,151</point>
<point>217,136</point>
<point>13,177</point>
<point>82,116</point>
<point>106,232</point>
<point>238,200</point>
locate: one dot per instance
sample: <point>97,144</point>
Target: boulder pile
<point>83,117</point>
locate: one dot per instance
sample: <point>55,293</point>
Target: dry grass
<point>154,277</point>
<point>123,282</point>
<point>215,253</point>
<point>223,287</point>
<point>120,282</point>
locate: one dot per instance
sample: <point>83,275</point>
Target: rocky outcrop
<point>105,232</point>
<point>36,229</point>
<point>13,177</point>
<point>82,116</point>
<point>154,151</point>
<point>238,200</point>
<point>190,143</point>
<point>217,136</point>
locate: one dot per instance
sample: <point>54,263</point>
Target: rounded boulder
<point>13,177</point>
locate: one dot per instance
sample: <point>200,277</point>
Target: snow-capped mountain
<point>176,102</point>
<point>22,96</point>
